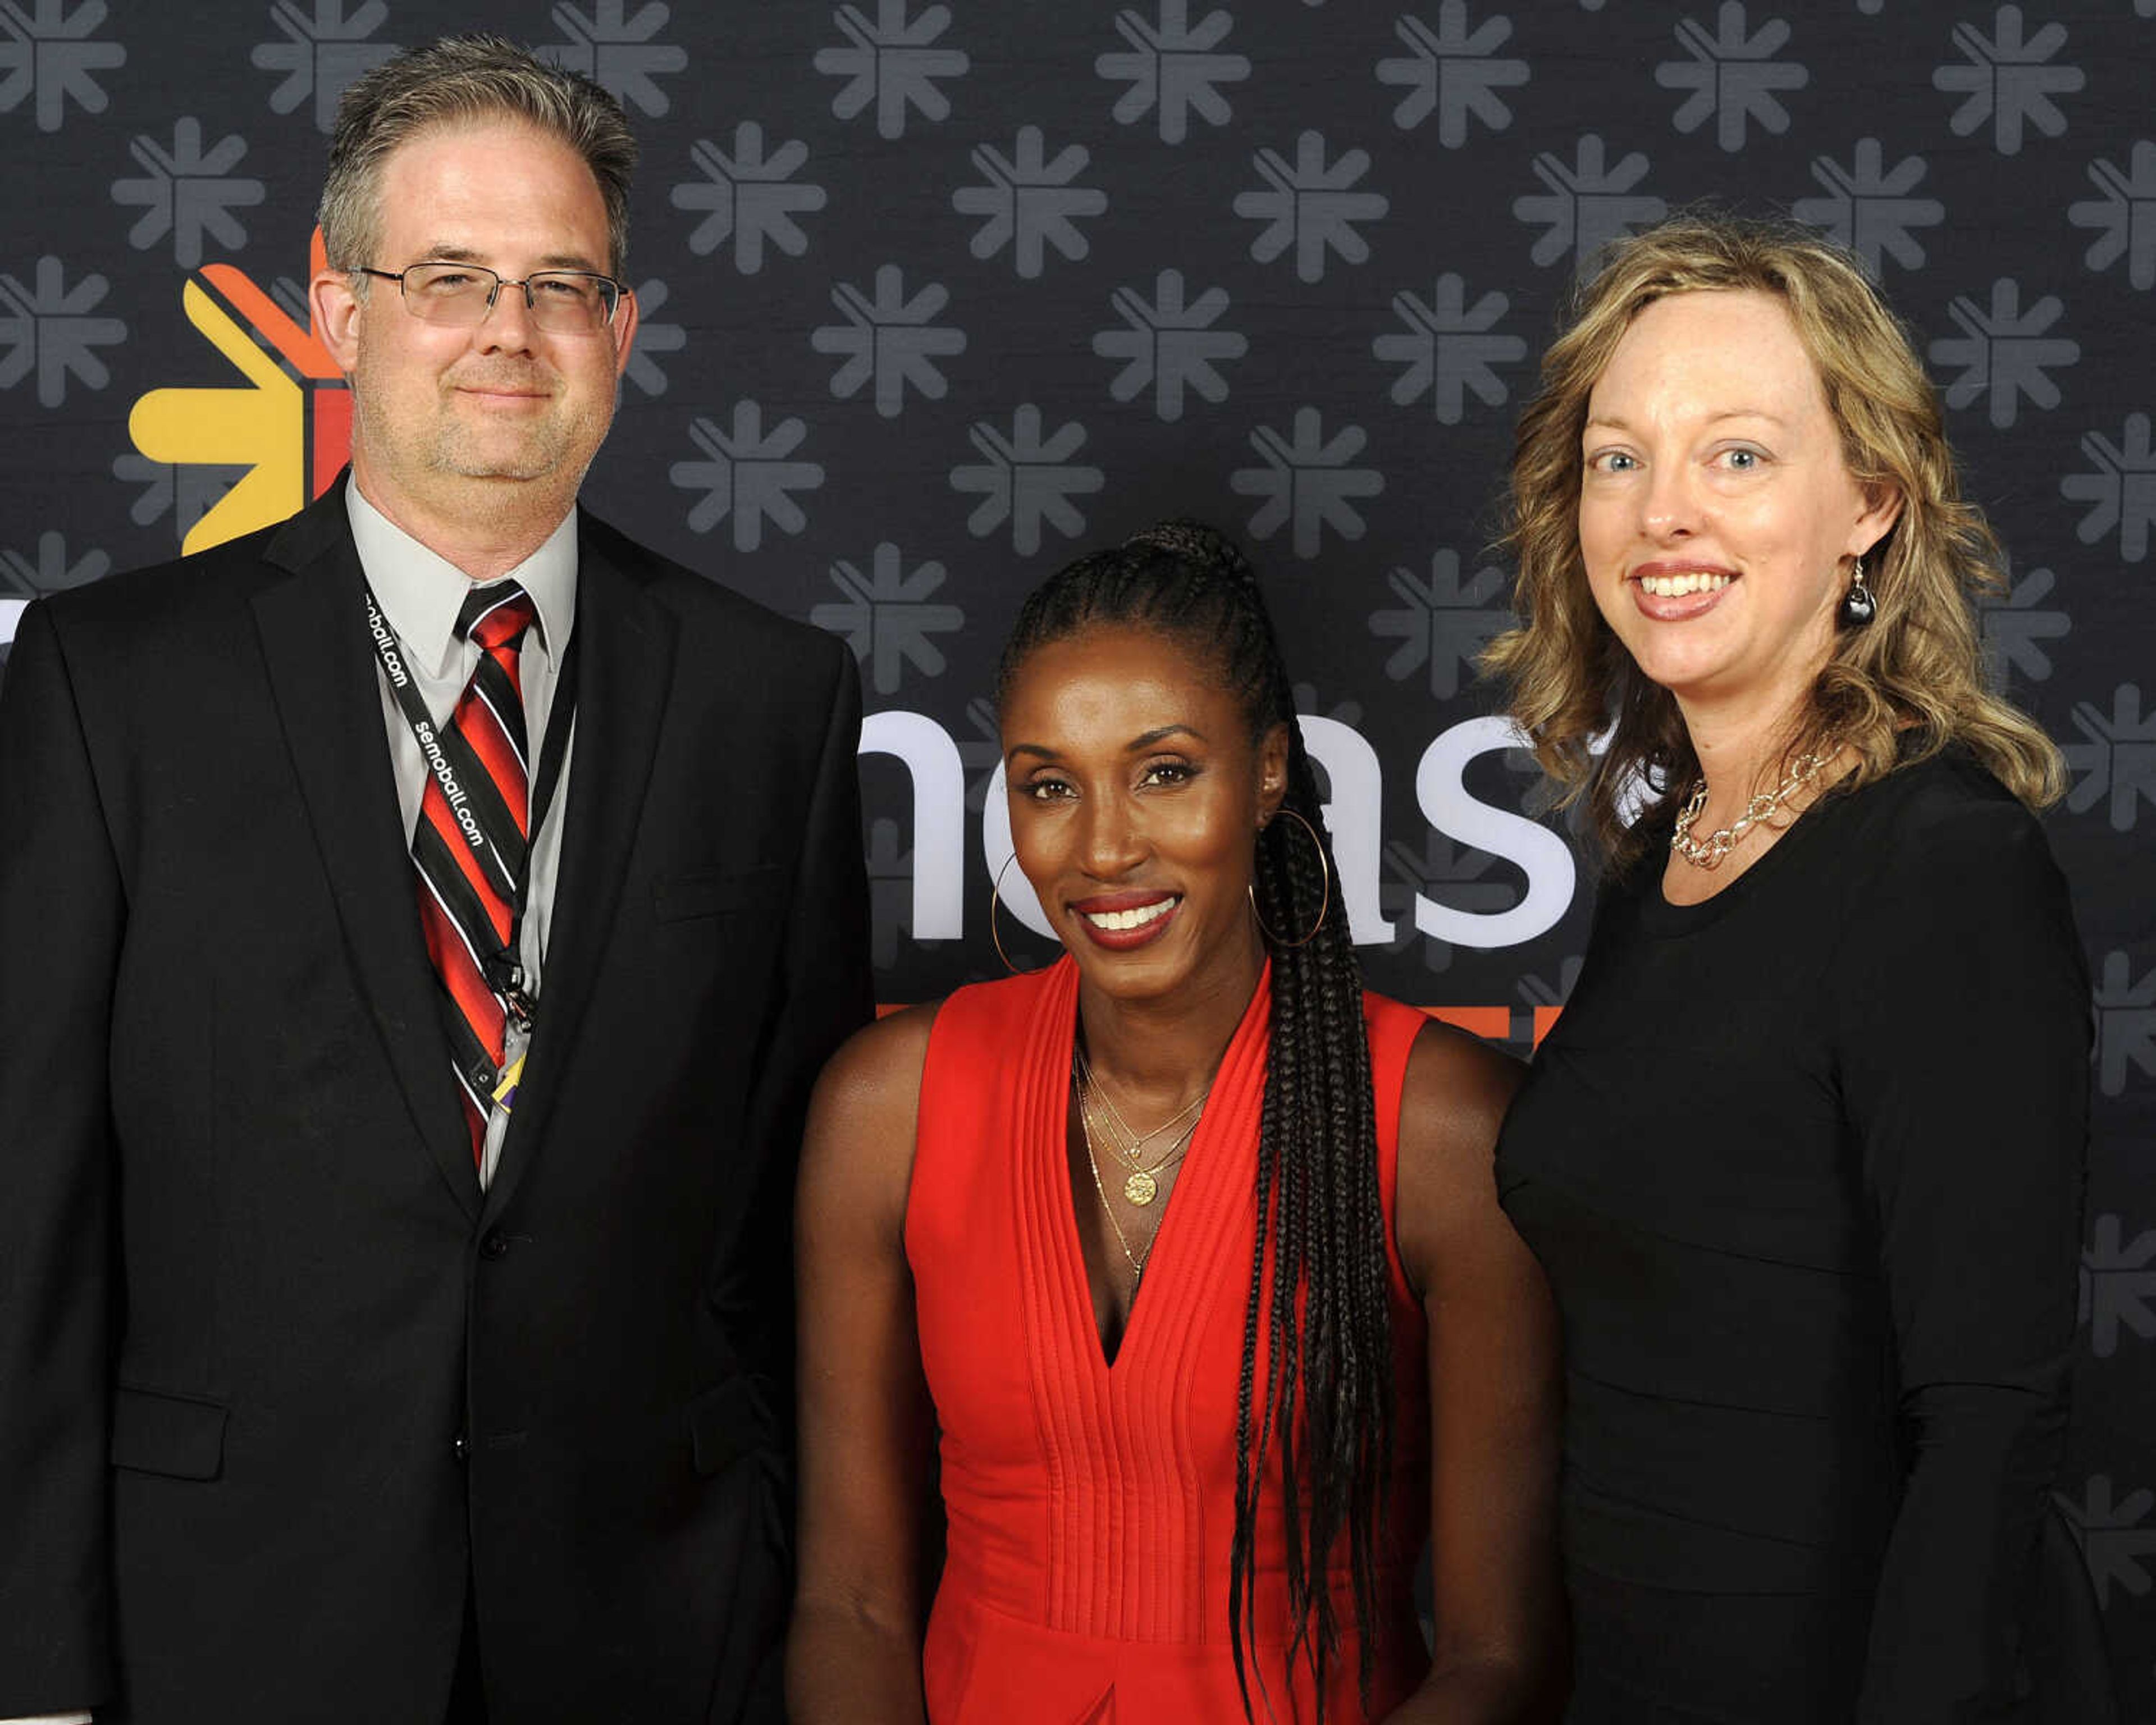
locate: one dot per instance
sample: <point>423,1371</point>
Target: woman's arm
<point>1495,1391</point>
<point>1964,1052</point>
<point>853,1654</point>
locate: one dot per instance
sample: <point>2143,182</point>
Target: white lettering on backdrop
<point>1354,814</point>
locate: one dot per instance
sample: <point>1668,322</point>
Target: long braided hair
<point>1325,1317</point>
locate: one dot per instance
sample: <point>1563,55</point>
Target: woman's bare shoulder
<point>1458,1087</point>
<point>879,1066</point>
<point>857,1152</point>
<point>1452,1104</point>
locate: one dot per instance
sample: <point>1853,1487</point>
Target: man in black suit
<point>420,924</point>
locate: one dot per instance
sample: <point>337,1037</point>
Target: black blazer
<point>274,1376</point>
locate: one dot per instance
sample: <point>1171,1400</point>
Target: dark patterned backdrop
<point>935,296</point>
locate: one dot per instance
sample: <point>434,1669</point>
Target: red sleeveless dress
<point>1091,1505</point>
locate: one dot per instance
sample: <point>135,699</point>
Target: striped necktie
<point>470,848</point>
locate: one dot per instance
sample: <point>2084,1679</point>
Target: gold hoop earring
<point>995,901</point>
<point>1325,904</point>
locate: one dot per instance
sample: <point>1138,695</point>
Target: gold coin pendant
<point>1141,1188</point>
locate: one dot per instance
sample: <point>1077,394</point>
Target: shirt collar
<point>421,592</point>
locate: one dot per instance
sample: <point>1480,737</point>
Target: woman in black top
<point>1802,1158</point>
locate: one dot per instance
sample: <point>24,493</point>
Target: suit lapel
<point>321,673</point>
<point>625,673</point>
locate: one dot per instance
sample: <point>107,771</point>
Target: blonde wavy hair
<point>1902,687</point>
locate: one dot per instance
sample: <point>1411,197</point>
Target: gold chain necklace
<point>1135,1140</point>
<point>1137,1261</point>
<point>1709,852</point>
<point>1141,1183</point>
<point>1141,1180</point>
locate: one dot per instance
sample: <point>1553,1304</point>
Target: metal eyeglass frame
<point>621,290</point>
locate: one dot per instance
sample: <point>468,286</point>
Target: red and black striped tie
<point>470,843</point>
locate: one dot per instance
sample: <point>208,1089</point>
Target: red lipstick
<point>1122,921</point>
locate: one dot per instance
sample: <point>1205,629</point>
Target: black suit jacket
<point>275,1375</point>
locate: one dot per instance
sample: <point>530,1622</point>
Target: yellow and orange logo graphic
<point>290,424</point>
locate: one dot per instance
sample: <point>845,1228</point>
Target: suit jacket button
<point>461,1447</point>
<point>496,1244</point>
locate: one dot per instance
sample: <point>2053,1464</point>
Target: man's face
<point>498,419</point>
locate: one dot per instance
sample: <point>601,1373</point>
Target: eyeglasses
<point>564,302</point>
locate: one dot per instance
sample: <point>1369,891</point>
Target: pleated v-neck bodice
<point>1090,1504</point>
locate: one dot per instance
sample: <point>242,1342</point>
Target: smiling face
<point>499,420</point>
<point>1717,517</point>
<point>1136,796</point>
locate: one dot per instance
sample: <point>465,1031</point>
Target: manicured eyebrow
<point>1137,745</point>
<point>1160,734</point>
<point>1613,422</point>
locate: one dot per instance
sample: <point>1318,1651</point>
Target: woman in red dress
<point>1204,1502</point>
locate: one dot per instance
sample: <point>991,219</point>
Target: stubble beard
<point>531,451</point>
<point>503,471</point>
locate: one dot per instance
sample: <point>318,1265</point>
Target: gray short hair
<point>463,80</point>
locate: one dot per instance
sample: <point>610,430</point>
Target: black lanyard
<point>505,969</point>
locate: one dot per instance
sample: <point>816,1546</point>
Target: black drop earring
<point>1858,607</point>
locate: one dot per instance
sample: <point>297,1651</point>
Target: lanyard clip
<point>505,976</point>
